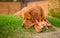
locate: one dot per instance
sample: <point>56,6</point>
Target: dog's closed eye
<point>28,18</point>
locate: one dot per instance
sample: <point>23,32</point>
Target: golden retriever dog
<point>30,14</point>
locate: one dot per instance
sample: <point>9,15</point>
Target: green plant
<point>54,12</point>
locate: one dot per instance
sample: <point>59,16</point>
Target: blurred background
<point>12,6</point>
<point>11,26</point>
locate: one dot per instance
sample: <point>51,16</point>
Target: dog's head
<point>31,16</point>
<point>27,20</point>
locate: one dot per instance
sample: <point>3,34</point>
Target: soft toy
<point>44,23</point>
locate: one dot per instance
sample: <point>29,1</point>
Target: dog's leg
<point>37,28</point>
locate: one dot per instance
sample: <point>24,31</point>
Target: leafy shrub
<point>55,12</point>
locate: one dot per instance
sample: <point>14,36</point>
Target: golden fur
<point>30,15</point>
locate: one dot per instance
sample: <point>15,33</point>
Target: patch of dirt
<point>53,34</point>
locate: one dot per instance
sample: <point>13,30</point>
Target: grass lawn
<point>11,27</point>
<point>54,21</point>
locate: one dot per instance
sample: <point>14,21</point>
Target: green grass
<point>11,27</point>
<point>54,21</point>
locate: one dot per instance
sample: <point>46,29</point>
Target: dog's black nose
<point>23,25</point>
